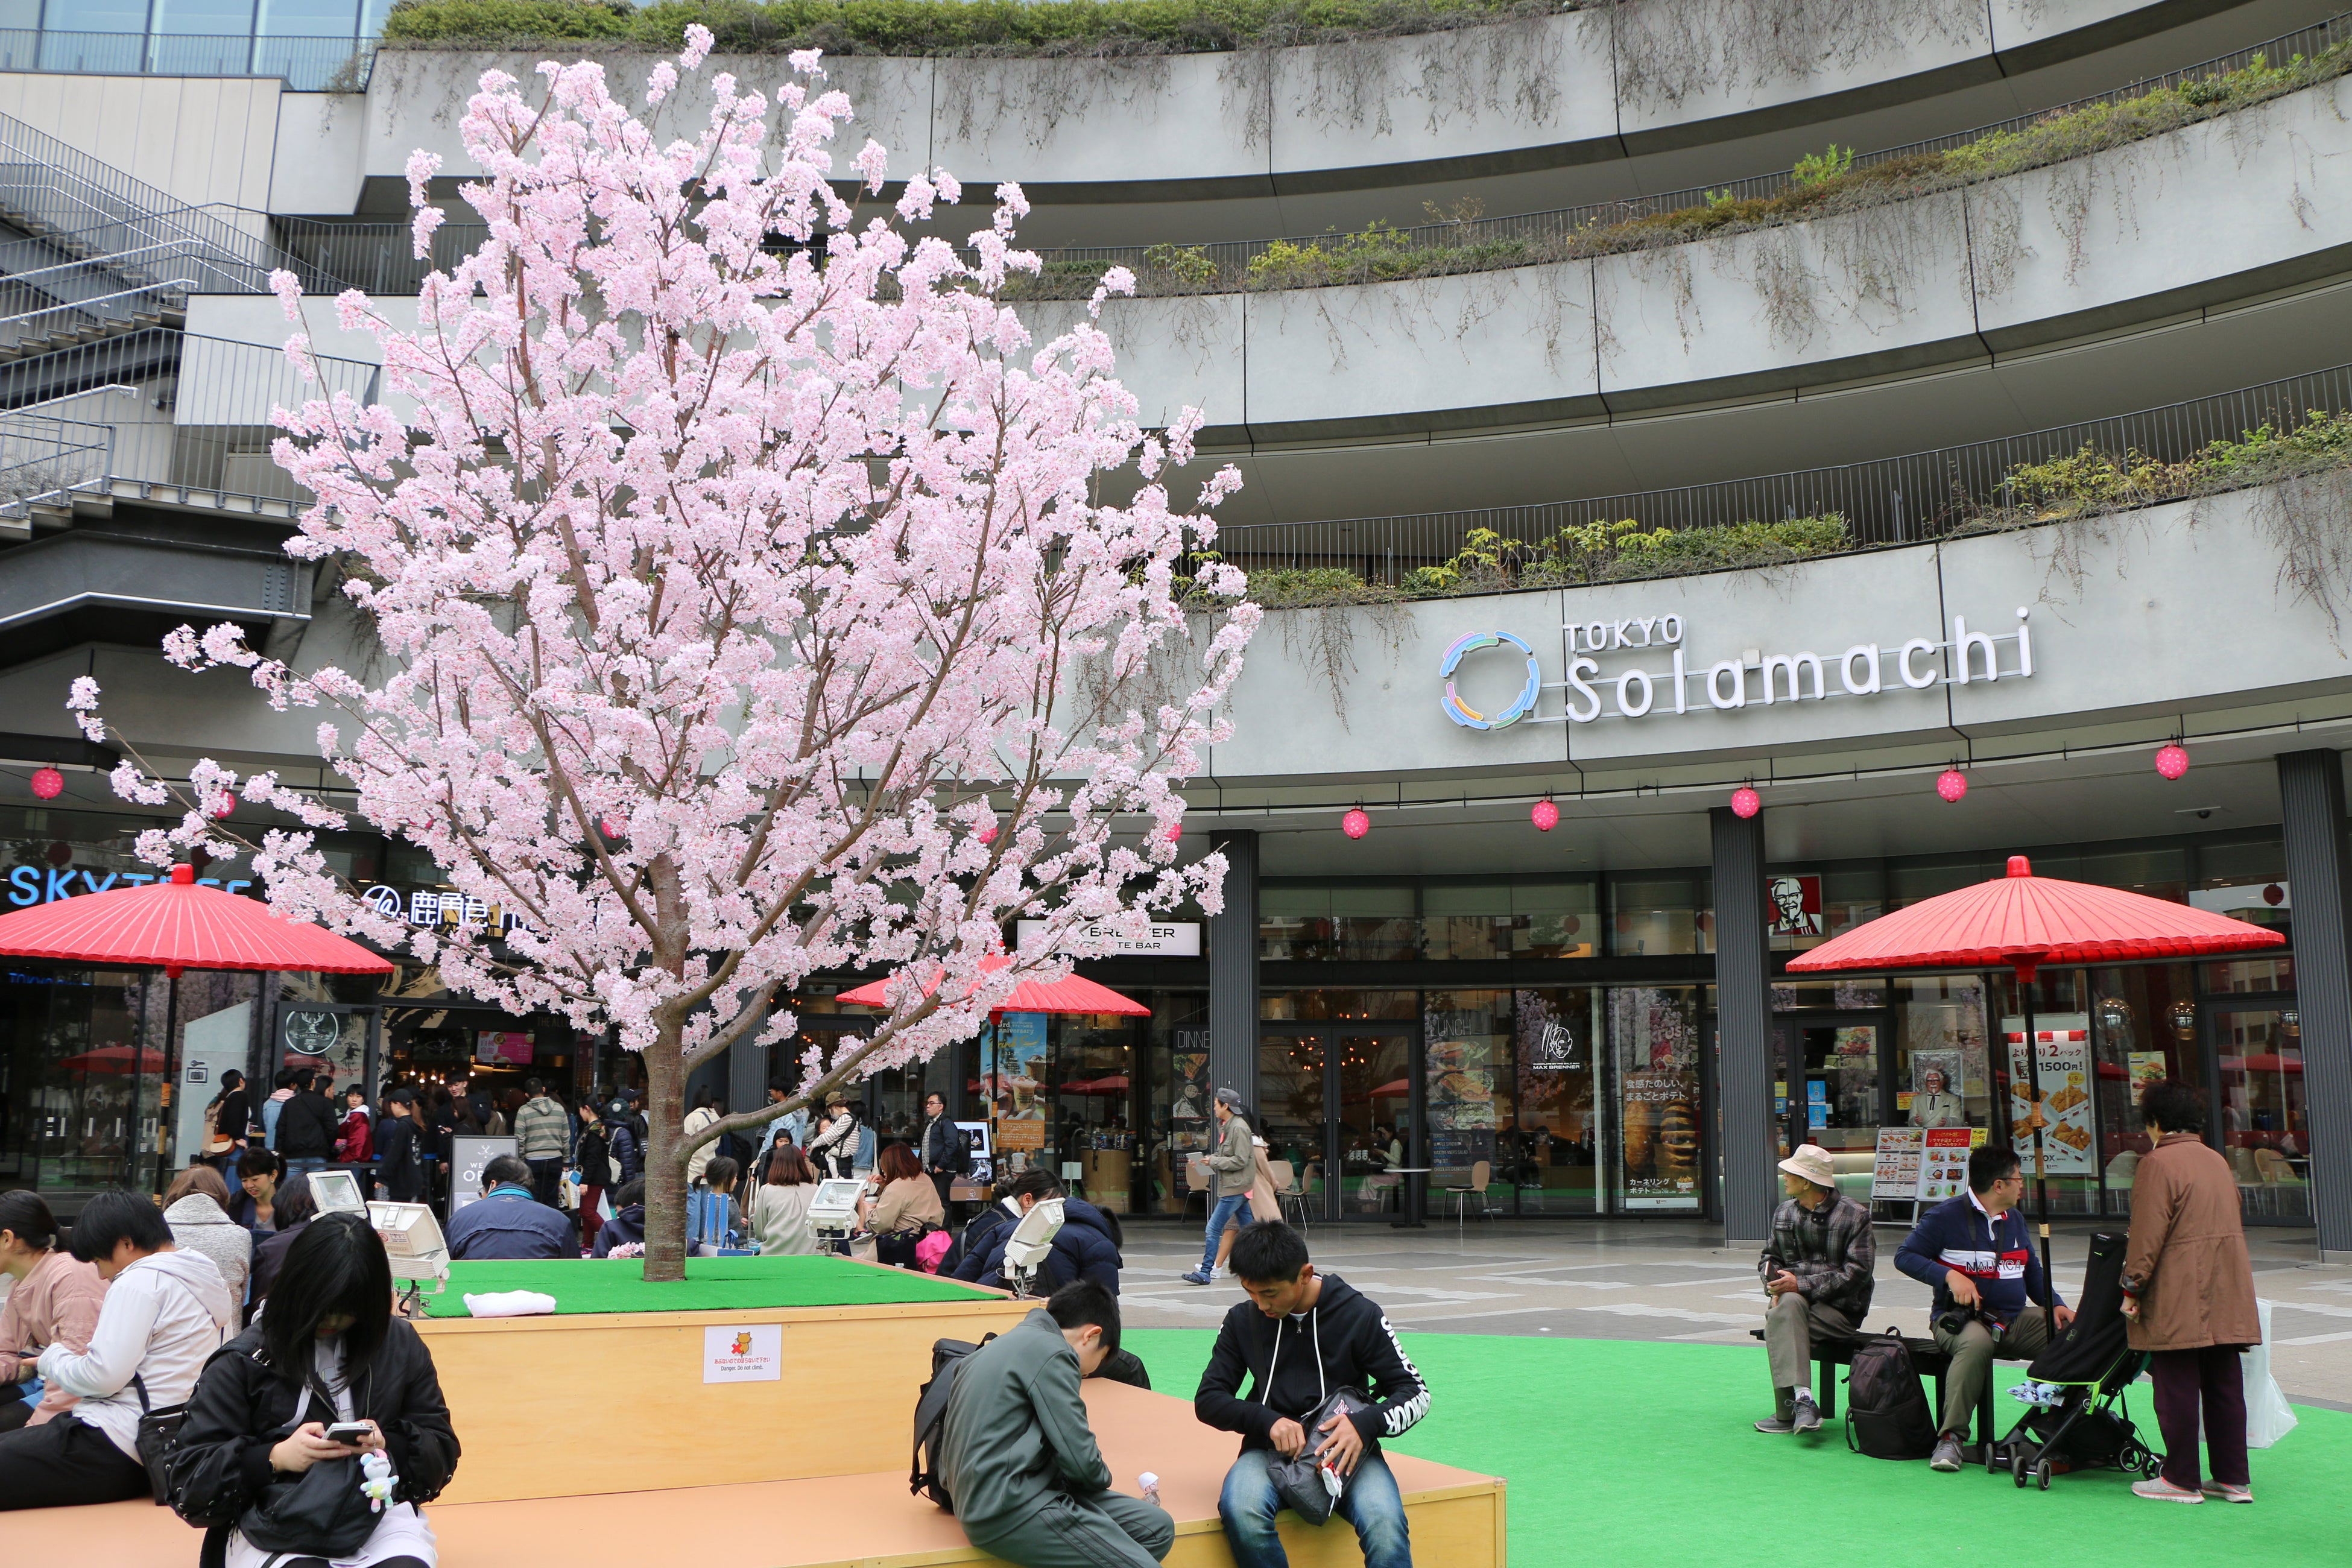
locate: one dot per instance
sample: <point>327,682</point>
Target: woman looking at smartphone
<point>327,1354</point>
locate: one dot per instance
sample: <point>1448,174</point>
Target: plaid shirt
<point>1830,1250</point>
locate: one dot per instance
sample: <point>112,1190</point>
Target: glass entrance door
<point>1336,1104</point>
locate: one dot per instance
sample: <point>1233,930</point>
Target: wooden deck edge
<point>992,1306</point>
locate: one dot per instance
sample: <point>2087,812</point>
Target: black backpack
<point>1886,1413</point>
<point>932,1420</point>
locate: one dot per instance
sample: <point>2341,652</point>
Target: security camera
<point>2204,813</point>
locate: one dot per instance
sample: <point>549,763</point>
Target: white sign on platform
<point>1161,939</point>
<point>743,1353</point>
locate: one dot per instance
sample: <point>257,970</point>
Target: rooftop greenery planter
<point>939,27</point>
<point>2082,485</point>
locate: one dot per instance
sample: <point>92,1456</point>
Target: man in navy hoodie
<point>1977,1253</point>
<point>1302,1336</point>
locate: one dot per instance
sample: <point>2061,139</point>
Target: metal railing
<point>200,407</point>
<point>83,210</point>
<point>1892,500</point>
<point>43,459</point>
<point>62,324</point>
<point>305,65</point>
<point>378,258</point>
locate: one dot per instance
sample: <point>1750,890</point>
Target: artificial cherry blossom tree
<point>747,610</point>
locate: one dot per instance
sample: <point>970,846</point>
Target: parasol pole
<point>164,1102</point>
<point>2024,971</point>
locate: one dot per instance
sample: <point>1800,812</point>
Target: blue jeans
<point>305,1165</point>
<point>1223,1209</point>
<point>1372,1503</point>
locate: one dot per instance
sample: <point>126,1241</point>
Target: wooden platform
<point>864,1521</point>
<point>527,1395</point>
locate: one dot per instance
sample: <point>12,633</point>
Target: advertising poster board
<point>2063,1060</point>
<point>983,1157</point>
<point>1654,1033</point>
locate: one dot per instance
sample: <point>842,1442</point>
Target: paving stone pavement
<point>1676,1280</point>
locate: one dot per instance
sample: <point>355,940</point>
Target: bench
<point>1926,1356</point>
<point>863,1520</point>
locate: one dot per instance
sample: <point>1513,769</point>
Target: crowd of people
<point>2188,1292</point>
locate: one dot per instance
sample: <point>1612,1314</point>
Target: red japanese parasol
<point>2021,921</point>
<point>1074,994</point>
<point>114,1058</point>
<point>176,925</point>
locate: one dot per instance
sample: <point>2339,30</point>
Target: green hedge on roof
<point>939,27</point>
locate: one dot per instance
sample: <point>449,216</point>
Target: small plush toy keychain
<point>376,1478</point>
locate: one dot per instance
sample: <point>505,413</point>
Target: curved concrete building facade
<point>2005,565</point>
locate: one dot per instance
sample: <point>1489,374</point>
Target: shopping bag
<point>2269,1416</point>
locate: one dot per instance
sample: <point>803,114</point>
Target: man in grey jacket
<point>1233,1167</point>
<point>1018,1457</point>
<point>1816,1271</point>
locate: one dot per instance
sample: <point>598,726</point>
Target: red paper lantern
<point>1173,832</point>
<point>1545,817</point>
<point>987,834</point>
<point>1355,825</point>
<point>612,827</point>
<point>47,783</point>
<point>223,803</point>
<point>2171,762</point>
<point>2274,895</point>
<point>1746,802</point>
<point>1951,784</point>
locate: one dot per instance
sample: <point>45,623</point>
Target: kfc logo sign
<point>1796,905</point>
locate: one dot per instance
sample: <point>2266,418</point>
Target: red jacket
<point>355,1139</point>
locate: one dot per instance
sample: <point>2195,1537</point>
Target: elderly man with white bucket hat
<point>1817,1272</point>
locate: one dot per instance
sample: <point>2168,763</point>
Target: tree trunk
<point>666,1156</point>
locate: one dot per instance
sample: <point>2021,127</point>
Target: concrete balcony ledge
<point>2231,209</point>
<point>1585,86</point>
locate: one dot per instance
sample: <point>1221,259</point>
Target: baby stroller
<point>2090,1364</point>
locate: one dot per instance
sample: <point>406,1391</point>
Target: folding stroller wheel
<point>2017,1466</point>
<point>2041,1475</point>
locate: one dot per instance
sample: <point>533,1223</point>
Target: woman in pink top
<point>54,1301</point>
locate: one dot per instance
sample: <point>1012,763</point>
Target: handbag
<point>1306,1486</point>
<point>158,1430</point>
<point>214,1144</point>
<point>322,1513</point>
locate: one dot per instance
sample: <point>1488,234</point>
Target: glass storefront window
<point>1340,1005</point>
<point>1653,1038</point>
<point>1661,914</point>
<point>1518,920</point>
<point>1176,1119</point>
<point>1841,995</point>
<point>2265,1129</point>
<point>77,1080</point>
<point>2249,975</point>
<point>1466,1093</point>
<point>1553,1158</point>
<point>2143,1020</point>
<point>1337,921</point>
<point>1940,1037</point>
<point>1839,1090</point>
<point>2160,872</point>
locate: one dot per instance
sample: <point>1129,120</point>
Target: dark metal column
<point>1233,969</point>
<point>1743,1012</point>
<point>2311,794</point>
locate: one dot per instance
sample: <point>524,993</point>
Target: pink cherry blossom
<point>792,558</point>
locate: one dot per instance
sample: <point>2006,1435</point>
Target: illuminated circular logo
<point>1469,717</point>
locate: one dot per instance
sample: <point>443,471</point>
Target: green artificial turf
<point>711,1284</point>
<point>1625,1452</point>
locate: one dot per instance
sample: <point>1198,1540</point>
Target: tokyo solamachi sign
<point>1642,667</point>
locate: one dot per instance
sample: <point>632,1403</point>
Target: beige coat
<point>2187,1257</point>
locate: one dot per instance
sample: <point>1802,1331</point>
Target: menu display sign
<point>1894,1167</point>
<point>1944,1162</point>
